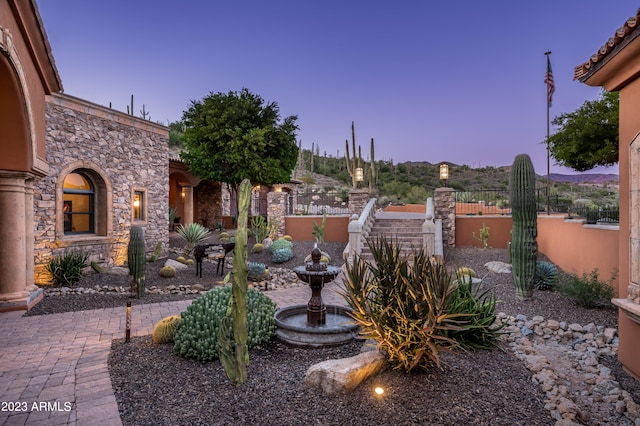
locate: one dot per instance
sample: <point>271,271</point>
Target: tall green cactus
<point>136,260</point>
<point>355,162</point>
<point>232,336</point>
<point>372,170</point>
<point>524,247</point>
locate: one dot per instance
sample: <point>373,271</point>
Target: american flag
<point>548,79</point>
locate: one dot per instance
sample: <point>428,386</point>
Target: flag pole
<point>550,89</point>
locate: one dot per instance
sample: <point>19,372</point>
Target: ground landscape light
<point>127,335</point>
<point>379,390</point>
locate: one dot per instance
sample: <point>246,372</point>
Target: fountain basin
<point>293,328</point>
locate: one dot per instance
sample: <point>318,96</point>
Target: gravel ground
<point>153,386</point>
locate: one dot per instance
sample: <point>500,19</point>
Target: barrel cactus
<point>136,260</point>
<point>165,329</point>
<point>524,247</point>
<point>282,255</point>
<point>257,248</point>
<point>257,271</point>
<point>167,271</point>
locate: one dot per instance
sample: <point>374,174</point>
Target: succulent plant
<point>546,275</point>
<point>197,336</point>
<point>281,255</point>
<point>524,246</point>
<point>257,248</point>
<point>165,329</point>
<point>181,259</point>
<point>189,262</point>
<point>257,271</point>
<point>167,272</point>
<point>287,238</point>
<point>280,243</point>
<point>136,260</point>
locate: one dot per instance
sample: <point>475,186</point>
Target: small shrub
<point>257,248</point>
<point>546,275</point>
<point>588,291</point>
<point>280,243</point>
<point>167,272</point>
<point>197,334</point>
<point>165,329</point>
<point>66,269</point>
<point>281,255</point>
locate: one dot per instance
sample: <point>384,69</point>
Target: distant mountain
<point>597,178</point>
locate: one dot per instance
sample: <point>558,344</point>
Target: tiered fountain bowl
<point>315,324</point>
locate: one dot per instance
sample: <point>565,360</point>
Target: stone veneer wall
<point>277,210</point>
<point>128,153</point>
<point>358,199</point>
<point>208,202</point>
<point>445,208</point>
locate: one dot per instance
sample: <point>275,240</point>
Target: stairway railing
<point>359,229</point>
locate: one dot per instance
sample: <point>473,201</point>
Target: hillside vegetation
<point>413,182</point>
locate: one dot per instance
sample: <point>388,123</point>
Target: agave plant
<point>192,234</point>
<point>546,275</point>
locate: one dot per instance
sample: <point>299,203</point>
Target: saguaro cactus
<point>232,336</point>
<point>524,247</point>
<point>353,163</point>
<point>136,260</point>
<point>372,170</point>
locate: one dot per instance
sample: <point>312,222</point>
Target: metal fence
<point>318,202</point>
<point>496,202</point>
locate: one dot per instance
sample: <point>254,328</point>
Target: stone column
<point>277,210</point>
<point>188,204</point>
<point>16,252</point>
<point>445,209</point>
<point>358,199</point>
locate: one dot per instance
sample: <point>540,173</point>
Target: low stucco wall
<point>579,248</point>
<point>499,230</point>
<point>300,228</point>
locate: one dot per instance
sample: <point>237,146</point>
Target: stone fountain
<point>315,324</point>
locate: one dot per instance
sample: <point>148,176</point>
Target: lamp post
<point>444,173</point>
<point>359,174</point>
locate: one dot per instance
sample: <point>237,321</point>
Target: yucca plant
<point>192,234</point>
<point>402,307</point>
<point>66,269</point>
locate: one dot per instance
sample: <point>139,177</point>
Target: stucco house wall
<point>121,155</point>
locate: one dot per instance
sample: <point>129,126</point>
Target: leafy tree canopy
<point>175,134</point>
<point>235,136</point>
<point>587,137</point>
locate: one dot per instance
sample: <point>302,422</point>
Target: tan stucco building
<point>616,67</point>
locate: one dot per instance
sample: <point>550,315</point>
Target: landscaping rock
<point>177,265</point>
<point>342,375</point>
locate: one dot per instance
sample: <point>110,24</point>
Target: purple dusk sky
<point>458,81</point>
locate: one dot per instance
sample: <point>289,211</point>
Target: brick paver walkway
<point>53,368</point>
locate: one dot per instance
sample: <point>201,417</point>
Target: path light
<point>359,174</point>
<point>127,335</point>
<point>378,390</point>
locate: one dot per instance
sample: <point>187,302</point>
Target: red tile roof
<point>622,35</point>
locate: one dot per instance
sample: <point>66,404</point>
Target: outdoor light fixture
<point>359,173</point>
<point>444,172</point>
<point>183,195</point>
<point>379,390</point>
<point>127,335</point>
<point>266,278</point>
<point>277,188</point>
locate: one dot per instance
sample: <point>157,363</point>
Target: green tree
<point>176,134</point>
<point>587,137</point>
<point>235,136</point>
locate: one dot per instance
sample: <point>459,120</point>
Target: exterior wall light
<point>359,174</point>
<point>444,172</point>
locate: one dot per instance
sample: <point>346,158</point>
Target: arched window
<point>79,204</point>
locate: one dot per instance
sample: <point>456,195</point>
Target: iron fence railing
<point>496,202</point>
<point>317,202</point>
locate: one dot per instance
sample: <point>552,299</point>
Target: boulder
<point>177,265</point>
<point>342,375</point>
